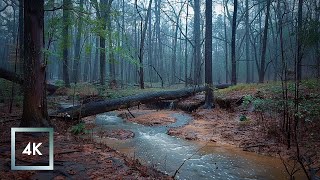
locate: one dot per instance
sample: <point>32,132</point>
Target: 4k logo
<point>31,148</point>
<point>35,149</point>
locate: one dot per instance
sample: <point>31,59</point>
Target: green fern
<point>78,129</point>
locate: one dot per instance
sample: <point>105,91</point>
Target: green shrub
<point>59,83</point>
<point>78,129</point>
<point>247,99</point>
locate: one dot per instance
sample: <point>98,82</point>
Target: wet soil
<point>148,117</point>
<point>74,157</point>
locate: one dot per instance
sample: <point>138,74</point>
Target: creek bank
<point>148,117</point>
<point>209,160</point>
<point>74,157</point>
<point>218,125</point>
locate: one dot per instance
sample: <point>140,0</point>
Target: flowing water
<point>166,153</point>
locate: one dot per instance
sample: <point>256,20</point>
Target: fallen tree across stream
<point>98,107</point>
<point>11,76</point>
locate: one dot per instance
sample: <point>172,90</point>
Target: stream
<point>152,146</point>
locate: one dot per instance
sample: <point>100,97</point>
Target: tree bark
<point>158,45</point>
<point>186,51</point>
<point>208,56</point>
<point>141,53</point>
<point>197,44</point>
<point>225,42</point>
<point>299,40</point>
<point>233,45</point>
<point>96,61</point>
<point>77,65</point>
<point>66,40</point>
<point>174,53</point>
<point>102,13</point>
<point>93,108</point>
<point>112,68</point>
<point>102,47</point>
<point>21,36</point>
<point>126,102</point>
<point>247,43</point>
<point>264,44</point>
<point>34,104</point>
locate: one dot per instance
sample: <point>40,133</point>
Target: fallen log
<point>11,76</point>
<point>93,108</point>
<point>98,107</point>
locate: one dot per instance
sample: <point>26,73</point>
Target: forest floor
<point>74,157</point>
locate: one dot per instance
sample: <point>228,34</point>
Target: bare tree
<point>66,42</point>
<point>143,36</point>
<point>197,43</point>
<point>233,44</point>
<point>77,64</point>
<point>299,41</point>
<point>208,55</point>
<point>102,11</point>
<point>262,69</point>
<point>247,43</point>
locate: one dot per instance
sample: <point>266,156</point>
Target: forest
<point>162,89</point>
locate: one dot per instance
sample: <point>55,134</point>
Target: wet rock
<point>191,136</point>
<point>173,132</point>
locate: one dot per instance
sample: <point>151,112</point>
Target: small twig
<point>256,145</point>
<point>67,152</point>
<point>177,171</point>
<point>130,113</point>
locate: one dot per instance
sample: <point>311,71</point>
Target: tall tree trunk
<point>150,49</point>
<point>66,40</point>
<point>208,55</point>
<point>102,57</point>
<point>247,43</point>
<point>87,63</point>
<point>299,40</point>
<point>77,65</point>
<point>141,53</point>
<point>21,32</point>
<point>103,11</point>
<point>233,44</point>
<point>264,44</point>
<point>197,44</point>
<point>158,47</point>
<point>96,61</point>
<point>34,104</point>
<point>112,67</point>
<point>225,43</point>
<point>186,51</point>
<point>174,53</point>
<point>123,43</point>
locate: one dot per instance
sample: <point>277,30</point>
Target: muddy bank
<point>148,117</point>
<point>225,127</point>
